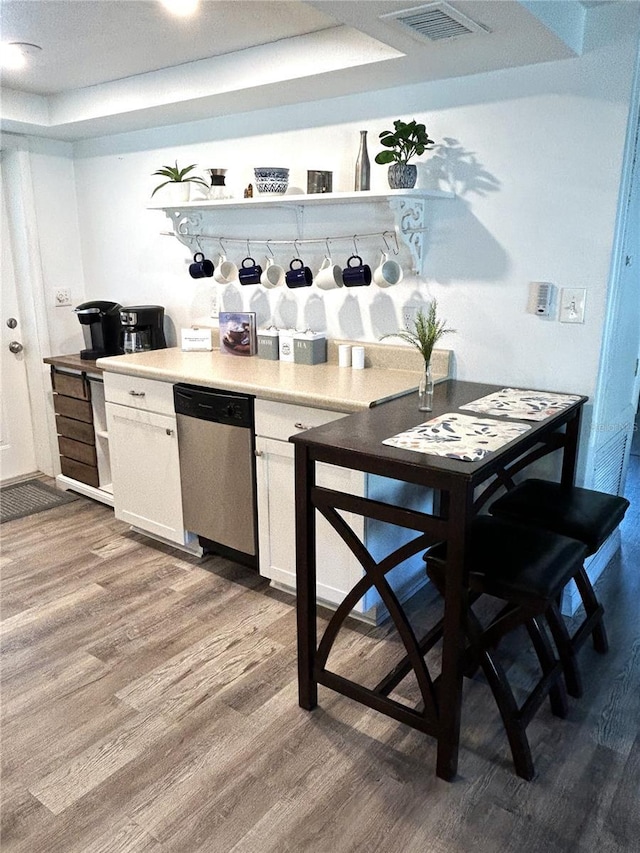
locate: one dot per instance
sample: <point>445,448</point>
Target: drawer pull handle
<point>137,393</point>
<point>257,452</point>
<point>300,425</point>
<point>169,431</point>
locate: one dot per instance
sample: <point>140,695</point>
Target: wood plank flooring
<point>149,705</point>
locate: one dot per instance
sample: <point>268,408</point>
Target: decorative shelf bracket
<point>409,215</point>
<point>185,223</point>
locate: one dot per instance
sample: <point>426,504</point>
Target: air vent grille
<point>435,21</point>
<point>609,464</point>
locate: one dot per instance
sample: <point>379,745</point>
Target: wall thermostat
<point>541,298</point>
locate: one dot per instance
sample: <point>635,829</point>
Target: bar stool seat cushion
<point>582,514</point>
<point>517,562</point>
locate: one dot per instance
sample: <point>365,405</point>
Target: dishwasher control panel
<point>209,404</point>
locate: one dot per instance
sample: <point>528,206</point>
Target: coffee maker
<point>101,328</point>
<point>142,327</point>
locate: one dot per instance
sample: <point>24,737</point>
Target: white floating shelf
<point>271,200</point>
<point>407,207</point>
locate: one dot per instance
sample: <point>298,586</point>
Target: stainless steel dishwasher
<point>216,444</point>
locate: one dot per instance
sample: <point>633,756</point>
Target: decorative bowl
<point>271,179</point>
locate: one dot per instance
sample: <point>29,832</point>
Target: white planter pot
<point>174,193</point>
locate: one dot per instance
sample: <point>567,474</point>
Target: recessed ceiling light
<point>13,54</point>
<point>181,7</point>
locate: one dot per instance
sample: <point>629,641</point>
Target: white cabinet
<point>143,441</point>
<point>337,569</point>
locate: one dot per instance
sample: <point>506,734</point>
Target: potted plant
<point>426,332</point>
<point>178,180</point>
<point>405,141</point>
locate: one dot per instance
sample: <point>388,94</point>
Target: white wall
<point>534,155</point>
<point>56,213</point>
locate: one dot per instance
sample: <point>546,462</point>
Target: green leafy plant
<point>427,331</point>
<point>175,175</point>
<point>407,140</point>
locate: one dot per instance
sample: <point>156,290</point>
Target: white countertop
<point>323,386</point>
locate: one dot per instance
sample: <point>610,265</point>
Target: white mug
<point>387,272</point>
<point>272,275</point>
<point>329,275</point>
<point>225,270</point>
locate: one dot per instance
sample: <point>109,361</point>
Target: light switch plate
<point>572,304</point>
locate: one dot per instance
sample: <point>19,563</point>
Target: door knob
<point>16,346</point>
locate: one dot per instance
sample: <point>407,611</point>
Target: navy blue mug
<point>356,275</point>
<point>249,272</point>
<point>298,275</point>
<point>201,267</point>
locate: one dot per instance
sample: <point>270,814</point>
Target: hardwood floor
<point>149,704</point>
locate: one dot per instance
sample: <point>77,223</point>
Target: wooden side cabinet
<point>78,403</point>
<point>74,425</point>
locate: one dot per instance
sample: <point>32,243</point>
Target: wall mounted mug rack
<point>192,220</point>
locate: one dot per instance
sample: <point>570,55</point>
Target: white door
<point>616,405</point>
<point>17,451</point>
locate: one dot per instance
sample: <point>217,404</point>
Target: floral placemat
<point>458,436</point>
<point>522,405</point>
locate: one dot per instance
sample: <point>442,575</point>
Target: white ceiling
<point>115,65</point>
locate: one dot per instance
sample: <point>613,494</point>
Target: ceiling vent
<point>435,21</point>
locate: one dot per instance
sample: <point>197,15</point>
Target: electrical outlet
<point>215,305</point>
<point>409,313</point>
<point>62,297</point>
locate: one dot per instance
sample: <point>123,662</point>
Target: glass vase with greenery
<point>426,332</point>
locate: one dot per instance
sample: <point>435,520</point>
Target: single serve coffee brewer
<point>100,321</point>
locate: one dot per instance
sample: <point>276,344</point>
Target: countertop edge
<point>390,372</point>
<point>277,395</point>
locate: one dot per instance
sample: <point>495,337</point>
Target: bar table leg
<point>306,579</point>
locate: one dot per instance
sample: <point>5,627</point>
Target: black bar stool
<point>581,514</point>
<point>527,568</point>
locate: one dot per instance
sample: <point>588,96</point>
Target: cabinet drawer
<point>70,407</point>
<point>77,450</point>
<point>79,471</point>
<point>282,420</point>
<point>77,430</point>
<point>71,384</point>
<point>149,394</point>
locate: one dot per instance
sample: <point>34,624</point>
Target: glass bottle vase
<point>425,389</point>
<point>363,167</point>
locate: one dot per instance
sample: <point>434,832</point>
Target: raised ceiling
<point>109,66</point>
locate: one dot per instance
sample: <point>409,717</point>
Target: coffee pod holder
<point>285,344</point>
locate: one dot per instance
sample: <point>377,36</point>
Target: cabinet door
<point>337,569</point>
<point>146,470</point>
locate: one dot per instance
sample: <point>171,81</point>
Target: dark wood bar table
<point>461,488</point>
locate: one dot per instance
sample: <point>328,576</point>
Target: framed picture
<point>238,333</point>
